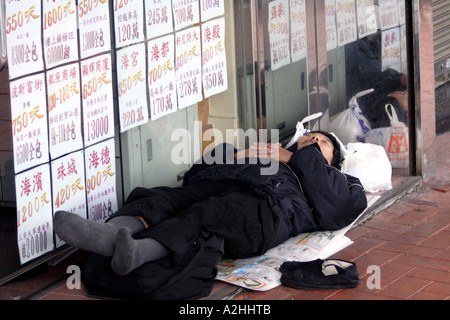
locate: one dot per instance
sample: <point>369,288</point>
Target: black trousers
<point>228,209</point>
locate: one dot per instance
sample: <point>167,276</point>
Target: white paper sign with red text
<point>346,21</point>
<point>60,32</point>
<point>158,17</point>
<point>93,20</point>
<point>298,29</point>
<point>214,57</point>
<point>161,76</point>
<point>24,47</point>
<point>29,122</point>
<point>34,213</point>
<point>128,22</point>
<point>188,65</point>
<point>132,87</point>
<point>64,109</point>
<point>68,184</point>
<point>98,105</point>
<point>185,13</point>
<point>100,165</point>
<point>278,28</point>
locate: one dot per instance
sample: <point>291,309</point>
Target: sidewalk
<point>409,241</point>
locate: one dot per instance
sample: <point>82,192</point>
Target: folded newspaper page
<point>262,273</point>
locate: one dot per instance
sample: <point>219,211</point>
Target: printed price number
<point>17,19</point>
<point>32,207</point>
<point>128,32</point>
<point>21,121</point>
<point>65,193</point>
<point>279,28</point>
<point>157,16</point>
<point>101,211</point>
<point>86,6</point>
<point>129,117</point>
<point>212,51</point>
<point>62,95</point>
<point>391,53</point>
<point>97,128</point>
<point>21,53</point>
<point>388,19</point>
<point>94,84</point>
<point>56,15</point>
<point>27,152</point>
<point>159,105</point>
<point>184,15</point>
<point>66,132</point>
<point>93,39</point>
<point>128,82</point>
<point>96,179</point>
<point>34,244</point>
<point>280,53</point>
<point>156,73</point>
<point>210,4</point>
<point>188,88</point>
<point>184,58</point>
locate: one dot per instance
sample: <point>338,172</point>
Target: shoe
<point>319,274</point>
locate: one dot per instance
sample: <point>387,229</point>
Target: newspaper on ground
<point>262,273</point>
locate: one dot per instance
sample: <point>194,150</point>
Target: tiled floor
<point>409,242</point>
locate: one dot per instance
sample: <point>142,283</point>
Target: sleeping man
<point>250,211</point>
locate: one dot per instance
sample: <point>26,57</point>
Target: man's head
<point>329,147</point>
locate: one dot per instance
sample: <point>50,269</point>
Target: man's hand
<point>270,150</point>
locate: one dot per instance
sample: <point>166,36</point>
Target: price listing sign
<point>34,213</point>
<point>24,46</point>
<point>346,21</point>
<point>388,14</point>
<point>298,29</point>
<point>278,27</point>
<point>210,9</point>
<point>161,76</point>
<point>391,47</point>
<point>128,22</point>
<point>214,58</point>
<point>29,122</point>
<point>367,17</point>
<point>64,109</point>
<point>97,92</point>
<point>101,180</point>
<point>158,18</point>
<point>68,184</point>
<point>330,24</point>
<point>60,32</point>
<point>185,13</point>
<point>93,20</point>
<point>188,65</point>
<point>132,87</point>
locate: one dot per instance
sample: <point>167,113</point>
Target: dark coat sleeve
<point>336,198</point>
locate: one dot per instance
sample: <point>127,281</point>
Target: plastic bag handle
<point>393,115</point>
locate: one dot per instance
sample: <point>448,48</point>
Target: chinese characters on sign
<point>93,21</point>
<point>60,32</point>
<point>68,184</point>
<point>211,9</point>
<point>158,17</point>
<point>101,180</point>
<point>390,49</point>
<point>185,13</point>
<point>29,122</point>
<point>367,19</point>
<point>128,22</point>
<point>346,21</point>
<point>161,76</point>
<point>64,109</point>
<point>98,112</point>
<point>298,30</point>
<point>132,88</point>
<point>188,65</point>
<point>330,24</point>
<point>214,60</point>
<point>24,47</point>
<point>278,27</point>
<point>388,14</point>
<point>34,213</point>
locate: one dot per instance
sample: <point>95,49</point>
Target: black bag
<point>192,276</point>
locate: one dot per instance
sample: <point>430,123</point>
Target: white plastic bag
<point>300,129</point>
<point>351,125</point>
<point>370,164</point>
<point>393,139</point>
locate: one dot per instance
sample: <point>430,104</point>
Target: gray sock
<point>92,236</point>
<point>130,253</point>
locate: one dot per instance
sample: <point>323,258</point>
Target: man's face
<point>325,144</point>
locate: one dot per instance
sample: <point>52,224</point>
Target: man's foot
<point>96,237</point>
